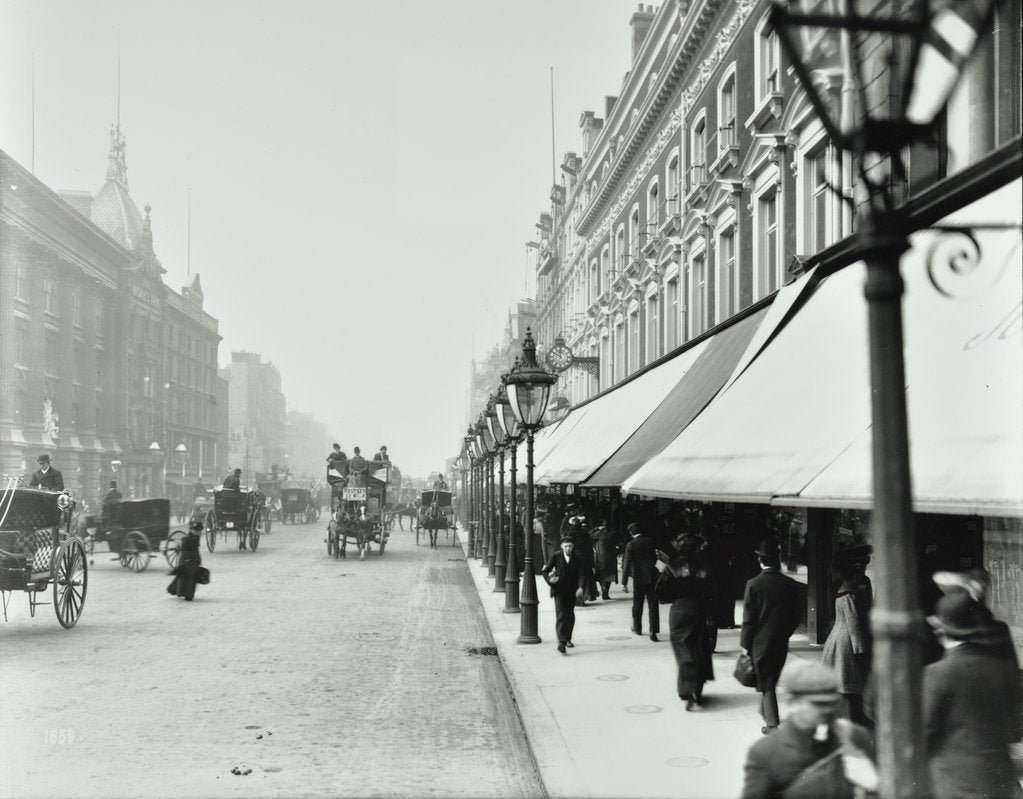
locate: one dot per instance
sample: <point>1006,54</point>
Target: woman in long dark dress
<point>688,594</point>
<point>187,570</point>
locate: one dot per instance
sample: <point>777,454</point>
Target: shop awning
<point>607,421</point>
<point>794,427</point>
<point>684,401</point>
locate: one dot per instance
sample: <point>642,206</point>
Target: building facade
<point>306,445</point>
<point>84,324</point>
<point>256,414</point>
<point>709,183</point>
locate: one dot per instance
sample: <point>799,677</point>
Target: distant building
<point>85,326</point>
<point>306,445</point>
<point>256,415</point>
<point>486,374</point>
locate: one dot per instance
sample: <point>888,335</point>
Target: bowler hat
<point>958,615</point>
<point>854,556</point>
<point>44,458</point>
<point>237,471</point>
<point>690,543</point>
<point>573,520</point>
<point>567,538</point>
<point>113,484</point>
<point>767,548</point>
<point>195,526</point>
<point>633,527</point>
<point>811,680</point>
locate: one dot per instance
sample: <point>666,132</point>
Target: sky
<point>363,175</point>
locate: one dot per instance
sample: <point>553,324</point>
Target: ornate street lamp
<point>477,453</point>
<point>497,433</point>
<point>878,78</point>
<point>487,446</point>
<point>529,389</point>
<point>181,457</point>
<point>512,435</point>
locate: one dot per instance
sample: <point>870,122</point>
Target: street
<point>323,677</point>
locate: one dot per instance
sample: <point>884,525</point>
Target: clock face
<point>559,358</point>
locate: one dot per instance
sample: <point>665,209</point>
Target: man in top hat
<point>357,467</point>
<point>46,477</point>
<point>971,705</point>
<point>562,574</point>
<point>233,482</point>
<point>771,614</point>
<point>814,753</point>
<point>638,563</point>
<point>110,499</point>
<point>382,455</point>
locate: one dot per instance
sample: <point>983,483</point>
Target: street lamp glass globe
<point>529,386</point>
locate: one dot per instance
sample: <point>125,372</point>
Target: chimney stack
<point>591,126</point>
<point>640,24</point>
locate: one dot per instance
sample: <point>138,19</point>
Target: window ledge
<point>727,157</point>
<point>770,105</point>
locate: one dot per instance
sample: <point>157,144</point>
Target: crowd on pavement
<point>822,747</point>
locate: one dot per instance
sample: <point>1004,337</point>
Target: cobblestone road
<point>355,674</point>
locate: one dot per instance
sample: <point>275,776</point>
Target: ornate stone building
<point>256,414</point>
<point>85,320</point>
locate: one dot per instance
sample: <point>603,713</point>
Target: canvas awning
<point>794,427</point>
<point>684,401</point>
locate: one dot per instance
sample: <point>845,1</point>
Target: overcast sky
<point>364,175</point>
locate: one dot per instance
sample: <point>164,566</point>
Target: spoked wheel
<point>70,582</point>
<point>330,542</point>
<point>135,552</point>
<point>211,531</point>
<point>254,532</point>
<point>172,548</point>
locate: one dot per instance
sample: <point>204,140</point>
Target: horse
<point>402,510</point>
<point>345,522</point>
<point>432,520</point>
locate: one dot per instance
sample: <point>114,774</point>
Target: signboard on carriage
<point>353,494</point>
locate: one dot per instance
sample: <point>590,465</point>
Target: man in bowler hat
<point>813,753</point>
<point>233,482</point>
<point>638,563</point>
<point>562,574</point>
<point>46,477</point>
<point>771,614</point>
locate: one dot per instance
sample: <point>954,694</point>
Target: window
<point>605,362</point>
<point>818,204</point>
<point>767,240</point>
<point>697,294</point>
<point>80,372</point>
<point>698,152</point>
<point>50,296</point>
<point>98,313</point>
<point>620,365</point>
<point>619,253</point>
<point>653,203</point>
<point>634,363</point>
<point>766,60</point>
<point>76,310</point>
<point>21,344</point>
<point>726,112</point>
<point>637,234</point>
<point>20,282</point>
<point>672,188</point>
<point>671,318</point>
<point>605,270</point>
<point>653,339</point>
<point>52,353</point>
<point>727,275</point>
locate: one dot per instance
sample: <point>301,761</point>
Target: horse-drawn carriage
<point>241,512</point>
<point>435,513</point>
<point>38,549</point>
<point>132,529</point>
<point>298,504</point>
<point>359,517</point>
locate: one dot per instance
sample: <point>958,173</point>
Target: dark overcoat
<point>775,764</point>
<point>605,565</point>
<point>568,573</point>
<point>638,562</point>
<point>771,614</point>
<point>971,704</point>
<point>187,569</point>
<point>52,480</point>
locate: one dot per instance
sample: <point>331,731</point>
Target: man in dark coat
<point>638,563</point>
<point>770,616</point>
<point>113,497</point>
<point>813,753</point>
<point>605,564</point>
<point>971,704</point>
<point>46,477</point>
<point>562,574</point>
<point>233,482</point>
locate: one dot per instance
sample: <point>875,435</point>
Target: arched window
<point>653,202</point>
<point>726,110</point>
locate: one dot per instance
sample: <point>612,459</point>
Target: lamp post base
<point>500,573</point>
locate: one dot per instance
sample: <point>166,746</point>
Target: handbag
<point>202,576</point>
<point>744,672</point>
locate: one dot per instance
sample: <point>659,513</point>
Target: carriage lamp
<point>878,77</point>
<point>529,389</point>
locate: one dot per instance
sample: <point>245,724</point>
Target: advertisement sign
<point>354,494</point>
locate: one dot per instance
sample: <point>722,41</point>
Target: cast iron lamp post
<point>497,432</point>
<point>513,434</point>
<point>490,446</point>
<point>477,479</point>
<point>878,83</point>
<point>529,389</point>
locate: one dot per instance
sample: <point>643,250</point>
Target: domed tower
<point>113,209</point>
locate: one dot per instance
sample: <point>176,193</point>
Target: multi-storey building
<point>256,414</point>
<point>306,445</point>
<point>710,182</point>
<point>84,315</point>
<point>486,374</point>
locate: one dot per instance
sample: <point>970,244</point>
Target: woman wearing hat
<point>187,570</point>
<point>848,646</point>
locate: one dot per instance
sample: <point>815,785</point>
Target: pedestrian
<point>682,585</point>
<point>584,554</point>
<point>562,574</point>
<point>605,562</point>
<point>814,753</point>
<point>638,563</point>
<point>848,646</point>
<point>46,477</point>
<point>971,705</point>
<point>771,614</point>
<point>233,482</point>
<point>187,570</point>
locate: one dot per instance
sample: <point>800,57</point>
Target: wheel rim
<point>172,548</point>
<point>135,551</point>
<point>254,533</point>
<point>211,531</point>
<point>70,583</point>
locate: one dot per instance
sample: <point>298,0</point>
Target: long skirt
<point>690,642</point>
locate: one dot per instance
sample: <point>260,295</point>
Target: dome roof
<point>113,210</point>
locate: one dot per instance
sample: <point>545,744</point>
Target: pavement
<point>605,720</point>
